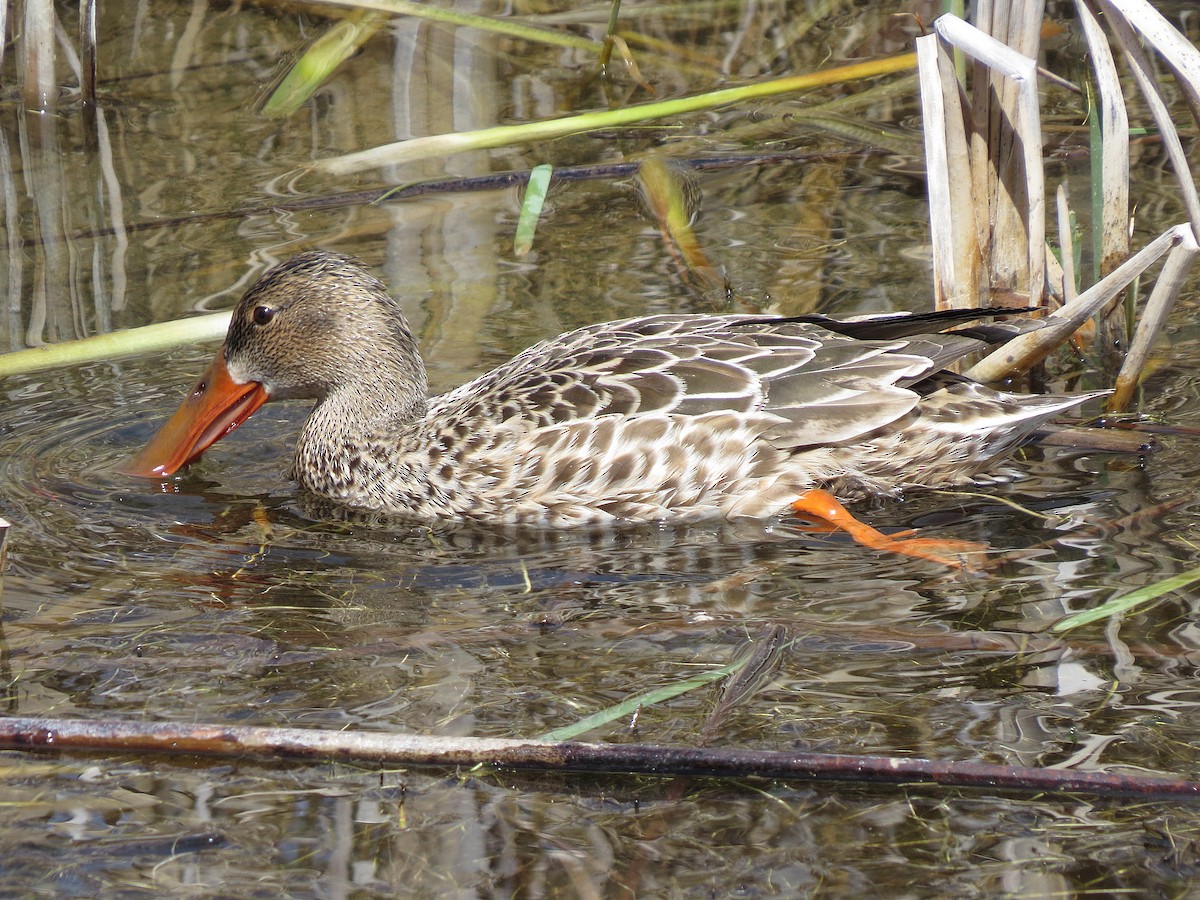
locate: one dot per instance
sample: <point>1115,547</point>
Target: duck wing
<point>805,383</point>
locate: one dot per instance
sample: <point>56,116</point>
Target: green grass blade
<point>438,145</point>
<point>325,54</point>
<point>531,208</point>
<point>1096,157</point>
<point>1129,601</point>
<point>454,17</point>
<point>628,707</point>
<point>161,336</point>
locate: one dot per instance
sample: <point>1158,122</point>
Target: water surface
<point>225,596</point>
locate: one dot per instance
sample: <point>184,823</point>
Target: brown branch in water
<point>1101,440</point>
<point>1151,428</point>
<point>491,182</point>
<point>54,734</point>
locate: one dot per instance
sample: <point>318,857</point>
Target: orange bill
<point>216,406</point>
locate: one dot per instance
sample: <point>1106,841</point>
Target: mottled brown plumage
<point>659,417</point>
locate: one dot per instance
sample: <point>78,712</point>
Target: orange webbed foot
<point>824,508</point>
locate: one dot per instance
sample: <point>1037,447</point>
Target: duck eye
<point>262,315</point>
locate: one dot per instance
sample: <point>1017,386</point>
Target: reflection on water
<point>225,595</point>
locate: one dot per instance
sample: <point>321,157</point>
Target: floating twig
<point>55,734</point>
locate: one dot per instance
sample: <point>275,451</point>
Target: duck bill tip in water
<point>216,406</point>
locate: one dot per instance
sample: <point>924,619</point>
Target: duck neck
<point>349,432</point>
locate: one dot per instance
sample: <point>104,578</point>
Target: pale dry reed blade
<point>1133,21</point>
<point>1066,244</point>
<point>1150,324</point>
<point>964,182</point>
<point>1109,123</point>
<point>1113,225</point>
<point>948,176</point>
<point>1006,145</point>
<point>1184,60</point>
<point>37,55</point>
<point>1177,51</point>
<point>4,526</point>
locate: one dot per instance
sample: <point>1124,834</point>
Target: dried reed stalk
<point>986,180</point>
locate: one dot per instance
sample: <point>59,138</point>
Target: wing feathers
<point>812,385</point>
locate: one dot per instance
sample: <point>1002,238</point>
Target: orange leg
<point>824,508</point>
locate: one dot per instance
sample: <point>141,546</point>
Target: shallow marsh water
<point>226,597</point>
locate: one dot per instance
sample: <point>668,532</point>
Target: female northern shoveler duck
<point>663,417</point>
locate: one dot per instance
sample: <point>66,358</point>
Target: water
<point>229,597</point>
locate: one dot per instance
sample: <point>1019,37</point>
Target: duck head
<point>317,326</point>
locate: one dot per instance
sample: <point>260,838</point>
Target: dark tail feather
<point>902,325</point>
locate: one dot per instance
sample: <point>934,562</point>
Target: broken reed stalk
<point>53,734</point>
